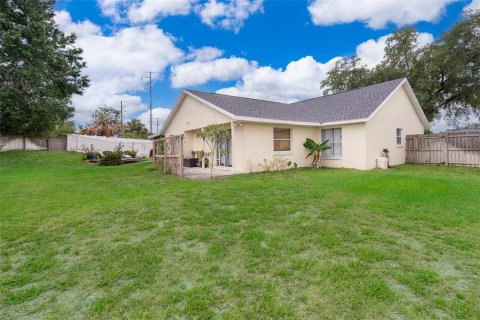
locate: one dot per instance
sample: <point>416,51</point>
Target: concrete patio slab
<point>204,173</point>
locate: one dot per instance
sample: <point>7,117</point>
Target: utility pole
<point>121,112</point>
<point>150,92</point>
<point>157,124</point>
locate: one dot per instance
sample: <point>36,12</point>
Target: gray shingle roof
<point>350,105</point>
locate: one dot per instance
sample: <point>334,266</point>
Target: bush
<point>274,165</point>
<point>132,153</point>
<point>111,159</point>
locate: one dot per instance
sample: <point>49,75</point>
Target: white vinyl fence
<point>77,142</point>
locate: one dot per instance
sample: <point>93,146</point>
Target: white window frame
<point>331,143</point>
<point>289,152</point>
<point>397,136</point>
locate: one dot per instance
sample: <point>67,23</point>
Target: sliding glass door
<point>223,153</point>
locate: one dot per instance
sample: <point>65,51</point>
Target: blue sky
<point>278,50</point>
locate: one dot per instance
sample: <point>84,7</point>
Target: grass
<point>83,241</point>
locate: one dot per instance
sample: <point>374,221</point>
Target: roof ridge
<point>229,95</point>
<point>291,103</point>
<point>337,93</point>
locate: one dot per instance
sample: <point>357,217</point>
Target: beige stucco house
<point>359,124</point>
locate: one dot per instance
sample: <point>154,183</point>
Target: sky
<point>268,49</point>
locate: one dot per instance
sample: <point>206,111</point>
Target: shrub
<point>274,165</point>
<point>111,159</point>
<point>132,153</point>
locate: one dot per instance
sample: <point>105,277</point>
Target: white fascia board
<point>300,123</point>
<point>416,105</point>
<point>171,114</point>
<point>263,120</point>
<point>211,105</point>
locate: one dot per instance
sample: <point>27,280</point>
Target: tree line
<point>445,74</point>
<point>41,68</point>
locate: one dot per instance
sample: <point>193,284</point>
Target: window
<point>281,139</point>
<point>399,137</point>
<point>334,137</point>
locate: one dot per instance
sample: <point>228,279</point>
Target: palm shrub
<point>316,150</point>
<point>111,159</point>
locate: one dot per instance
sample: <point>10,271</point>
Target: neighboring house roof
<point>357,105</point>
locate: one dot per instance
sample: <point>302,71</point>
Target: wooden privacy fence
<point>171,153</point>
<point>451,149</point>
<point>8,143</point>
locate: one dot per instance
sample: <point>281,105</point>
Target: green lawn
<point>83,241</point>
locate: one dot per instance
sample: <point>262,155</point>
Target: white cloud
<point>116,64</point>
<point>148,10</point>
<point>81,29</point>
<point>372,51</point>
<point>230,14</point>
<point>199,72</point>
<point>474,5</point>
<point>157,113</point>
<point>376,14</point>
<point>112,8</point>
<point>204,54</point>
<point>300,80</point>
<point>224,14</point>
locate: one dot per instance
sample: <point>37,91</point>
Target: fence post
<point>154,151</point>
<point>24,144</point>
<point>181,156</point>
<point>446,149</point>
<point>414,150</point>
<point>48,144</point>
<point>165,154</point>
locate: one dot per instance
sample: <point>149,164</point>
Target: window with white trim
<point>334,137</point>
<point>399,137</point>
<point>282,138</point>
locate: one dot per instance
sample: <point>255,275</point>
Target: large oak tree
<point>40,69</point>
<point>445,74</point>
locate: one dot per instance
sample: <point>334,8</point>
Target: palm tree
<point>135,129</point>
<point>315,150</point>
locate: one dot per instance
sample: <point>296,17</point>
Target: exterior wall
<point>398,112</point>
<point>253,142</point>
<point>193,114</point>
<point>190,117</point>
<point>353,147</point>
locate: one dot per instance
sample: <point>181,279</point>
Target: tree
<point>40,68</point>
<point>347,74</point>
<point>445,74</point>
<point>316,150</point>
<point>106,114</point>
<point>213,135</point>
<point>62,129</point>
<point>135,129</point>
<point>105,122</point>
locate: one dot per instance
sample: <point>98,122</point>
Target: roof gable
<point>352,106</point>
